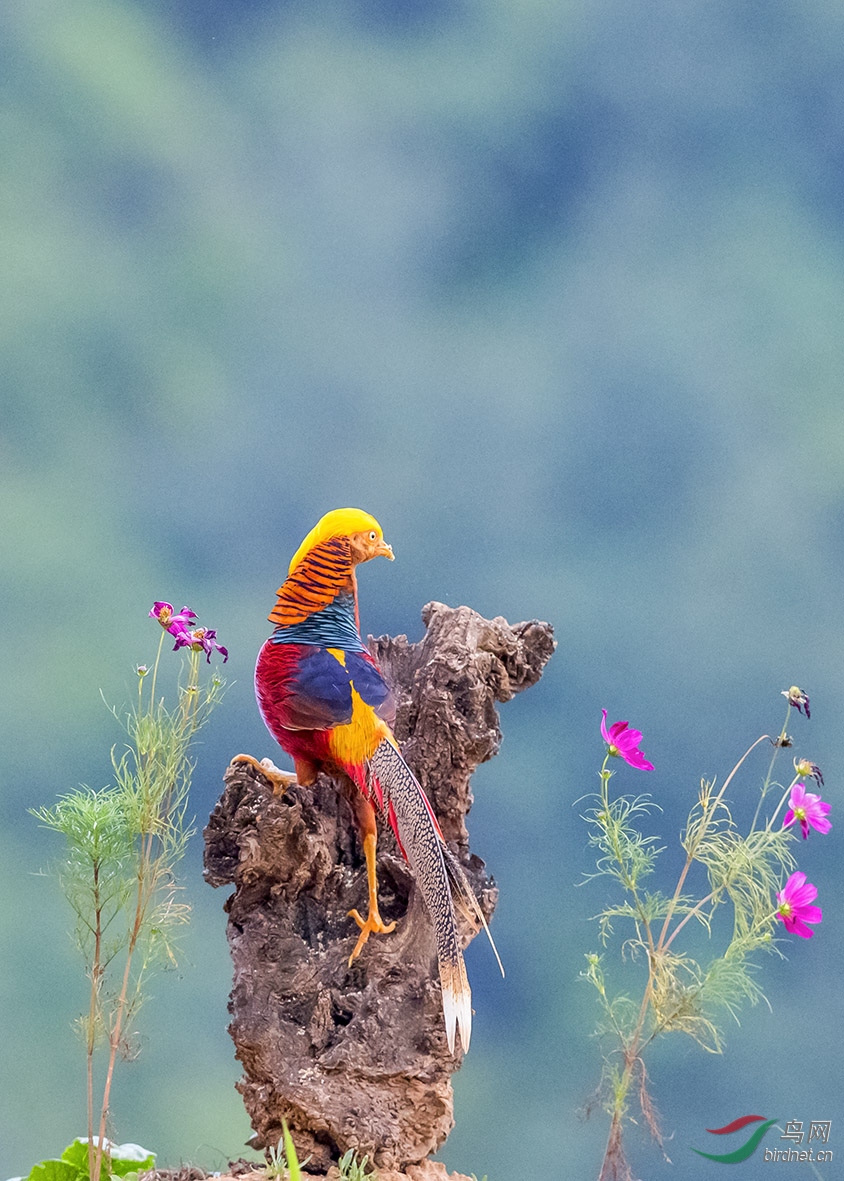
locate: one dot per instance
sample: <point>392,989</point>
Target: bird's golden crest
<point>323,565</point>
<point>340,522</point>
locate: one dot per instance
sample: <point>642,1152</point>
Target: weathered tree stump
<point>357,1056</point>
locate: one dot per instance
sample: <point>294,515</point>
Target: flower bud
<point>806,770</point>
<point>796,697</point>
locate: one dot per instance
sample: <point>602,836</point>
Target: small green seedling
<point>283,1164</point>
<point>352,1169</point>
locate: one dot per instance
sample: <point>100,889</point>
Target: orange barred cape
<point>322,574</point>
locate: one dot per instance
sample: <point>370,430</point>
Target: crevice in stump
<point>356,1057</point>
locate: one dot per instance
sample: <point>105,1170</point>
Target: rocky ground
<point>247,1171</point>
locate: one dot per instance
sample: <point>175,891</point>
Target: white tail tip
<point>457,1008</point>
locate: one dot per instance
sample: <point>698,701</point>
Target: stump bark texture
<point>356,1057</point>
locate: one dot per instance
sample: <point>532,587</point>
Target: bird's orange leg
<point>280,780</point>
<point>373,921</point>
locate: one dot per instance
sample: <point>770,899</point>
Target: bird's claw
<point>373,923</point>
<point>279,779</point>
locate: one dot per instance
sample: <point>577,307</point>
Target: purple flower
<point>808,808</point>
<point>174,623</point>
<point>625,743</point>
<point>798,699</point>
<point>201,639</point>
<point>794,905</point>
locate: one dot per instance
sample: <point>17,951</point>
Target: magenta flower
<point>794,905</point>
<point>808,808</point>
<point>625,743</point>
<point>798,699</point>
<point>201,639</point>
<point>173,622</point>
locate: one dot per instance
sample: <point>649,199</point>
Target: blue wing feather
<point>369,683</point>
<point>315,691</point>
<point>319,693</point>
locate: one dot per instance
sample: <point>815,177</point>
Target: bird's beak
<point>382,550</point>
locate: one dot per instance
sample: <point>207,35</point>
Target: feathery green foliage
<point>123,844</point>
<point>741,866</point>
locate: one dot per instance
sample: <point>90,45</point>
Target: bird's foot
<point>373,923</point>
<point>280,780</point>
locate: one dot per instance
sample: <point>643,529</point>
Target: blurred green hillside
<point>556,291</point>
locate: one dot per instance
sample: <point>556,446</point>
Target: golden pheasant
<point>324,700</point>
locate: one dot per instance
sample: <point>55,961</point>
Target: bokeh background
<point>556,291</point>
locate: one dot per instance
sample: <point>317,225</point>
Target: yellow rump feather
<point>353,742</point>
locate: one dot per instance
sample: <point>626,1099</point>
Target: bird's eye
<point>373,536</point>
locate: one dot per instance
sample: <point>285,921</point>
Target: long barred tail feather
<point>422,842</point>
<point>466,901</point>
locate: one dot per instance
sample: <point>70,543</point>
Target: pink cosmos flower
<point>625,743</point>
<point>794,905</point>
<point>173,622</point>
<point>201,639</point>
<point>808,808</point>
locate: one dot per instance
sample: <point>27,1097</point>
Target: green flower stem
<point>114,1041</point>
<point>97,971</point>
<point>691,914</point>
<point>190,699</point>
<point>147,883</point>
<point>661,944</point>
<point>155,670</point>
<point>786,794</point>
<point>766,786</point>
